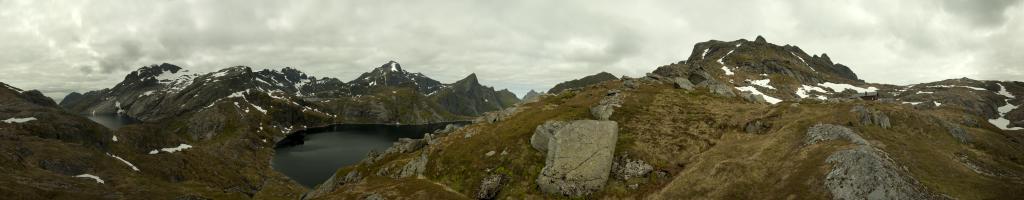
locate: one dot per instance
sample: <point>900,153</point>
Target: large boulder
<point>579,157</point>
<point>543,133</point>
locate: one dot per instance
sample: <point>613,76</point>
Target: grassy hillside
<point>700,148</point>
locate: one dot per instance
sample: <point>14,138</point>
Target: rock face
<point>582,82</point>
<point>579,157</point>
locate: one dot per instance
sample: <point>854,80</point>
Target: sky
<point>60,47</point>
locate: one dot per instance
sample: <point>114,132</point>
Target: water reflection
<point>312,157</point>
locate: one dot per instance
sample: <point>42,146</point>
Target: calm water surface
<point>112,121</point>
<point>311,157</point>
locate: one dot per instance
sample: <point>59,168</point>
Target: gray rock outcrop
<point>605,108</point>
<point>863,172</point>
<point>497,116</point>
<point>682,83</point>
<point>957,132</point>
<point>413,168</point>
<point>490,186</point>
<point>543,133</point>
<point>753,98</point>
<point>719,89</point>
<point>625,168</point>
<point>827,132</point>
<point>868,173</point>
<point>579,157</point>
<point>871,117</point>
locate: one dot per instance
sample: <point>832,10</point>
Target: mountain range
<point>735,120</point>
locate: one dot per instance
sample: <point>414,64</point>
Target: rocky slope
<point>738,120</point>
<point>52,154</point>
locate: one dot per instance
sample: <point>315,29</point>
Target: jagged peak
<point>391,66</point>
<point>760,39</point>
<point>471,79</point>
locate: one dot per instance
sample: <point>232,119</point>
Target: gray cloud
<point>59,47</point>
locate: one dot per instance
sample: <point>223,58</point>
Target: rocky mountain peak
<point>391,74</point>
<point>760,39</point>
<point>392,66</point>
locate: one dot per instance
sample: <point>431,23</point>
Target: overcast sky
<point>63,46</point>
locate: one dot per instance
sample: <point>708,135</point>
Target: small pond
<point>311,156</point>
<point>112,121</point>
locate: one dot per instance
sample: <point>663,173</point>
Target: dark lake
<point>112,121</point>
<point>311,156</point>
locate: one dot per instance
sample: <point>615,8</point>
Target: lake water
<point>312,156</point>
<point>112,122</point>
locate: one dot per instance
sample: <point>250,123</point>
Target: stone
<point>490,186</point>
<point>602,112</point>
<point>625,168</point>
<point>868,173</point>
<point>630,84</point>
<point>755,127</point>
<point>828,132</point>
<point>682,83</point>
<point>753,98</point>
<point>579,158</point>
<point>720,89</point>
<point>490,153</point>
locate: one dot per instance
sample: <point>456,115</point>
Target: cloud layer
<point>64,46</point>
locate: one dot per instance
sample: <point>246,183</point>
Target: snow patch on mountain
<point>124,161</point>
<point>840,87</point>
<point>762,83</point>
<point>805,91</point>
<point>181,147</point>
<point>19,120</point>
<point>754,90</point>
<point>954,86</point>
<point>97,178</point>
